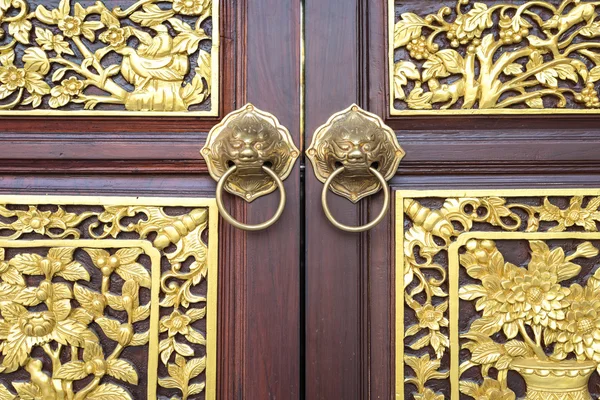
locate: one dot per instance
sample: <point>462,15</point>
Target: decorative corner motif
<point>94,309</point>
<point>466,289</point>
<point>494,57</point>
<point>356,140</point>
<point>147,56</point>
<point>250,139</point>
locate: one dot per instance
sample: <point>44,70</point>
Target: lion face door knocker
<point>250,154</point>
<point>355,154</point>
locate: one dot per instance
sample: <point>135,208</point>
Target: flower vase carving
<point>531,322</point>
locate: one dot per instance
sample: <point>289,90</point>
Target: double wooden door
<point>459,140</point>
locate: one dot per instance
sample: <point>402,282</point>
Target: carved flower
<point>536,297</point>
<point>71,26</point>
<point>33,220</point>
<point>178,323</point>
<point>191,7</point>
<point>22,329</point>
<point>13,77</point>
<point>63,93</point>
<point>574,215</point>
<point>432,317</point>
<point>429,394</point>
<point>580,331</point>
<point>114,36</point>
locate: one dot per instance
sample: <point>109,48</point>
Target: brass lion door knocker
<point>355,154</point>
<point>250,154</point>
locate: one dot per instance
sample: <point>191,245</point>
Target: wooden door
<point>495,106</point>
<point>105,107</point>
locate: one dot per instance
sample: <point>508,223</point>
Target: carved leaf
<point>513,69</point>
<point>478,18</point>
<point>403,72</point>
<point>516,348</point>
<point>72,371</point>
<point>407,29</point>
<point>36,60</point>
<point>109,391</point>
<point>152,15</point>
<point>5,394</point>
<point>123,370</point>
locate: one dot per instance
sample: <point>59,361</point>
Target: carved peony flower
<point>580,331</point>
<point>71,26</point>
<point>13,77</point>
<point>191,7</point>
<point>535,296</point>
<point>432,317</point>
<point>429,394</point>
<point>22,329</point>
<point>114,36</point>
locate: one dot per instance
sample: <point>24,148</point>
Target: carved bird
<point>153,59</point>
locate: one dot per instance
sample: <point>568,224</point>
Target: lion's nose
<point>247,154</point>
<point>356,156</point>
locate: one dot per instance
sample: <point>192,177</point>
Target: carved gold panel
<point>107,298</point>
<point>494,57</point>
<point>498,294</point>
<point>84,57</point>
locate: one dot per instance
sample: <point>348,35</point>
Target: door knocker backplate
<point>355,154</point>
<point>250,154</point>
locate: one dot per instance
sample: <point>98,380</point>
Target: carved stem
<point>539,352</point>
<point>109,85</point>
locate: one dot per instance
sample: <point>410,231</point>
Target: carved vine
<point>499,56</point>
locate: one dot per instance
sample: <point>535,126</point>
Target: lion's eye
<point>259,146</point>
<point>236,144</point>
<point>367,147</point>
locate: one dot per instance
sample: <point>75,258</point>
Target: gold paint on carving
<point>356,140</point>
<point>250,139</point>
<point>497,59</point>
<point>57,327</point>
<point>558,315</point>
<point>46,70</point>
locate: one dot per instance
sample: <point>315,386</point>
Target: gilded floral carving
<point>539,319</point>
<point>493,55</point>
<point>72,308</point>
<point>137,56</point>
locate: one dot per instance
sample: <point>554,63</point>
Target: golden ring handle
<point>238,224</point>
<point>370,225</point>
